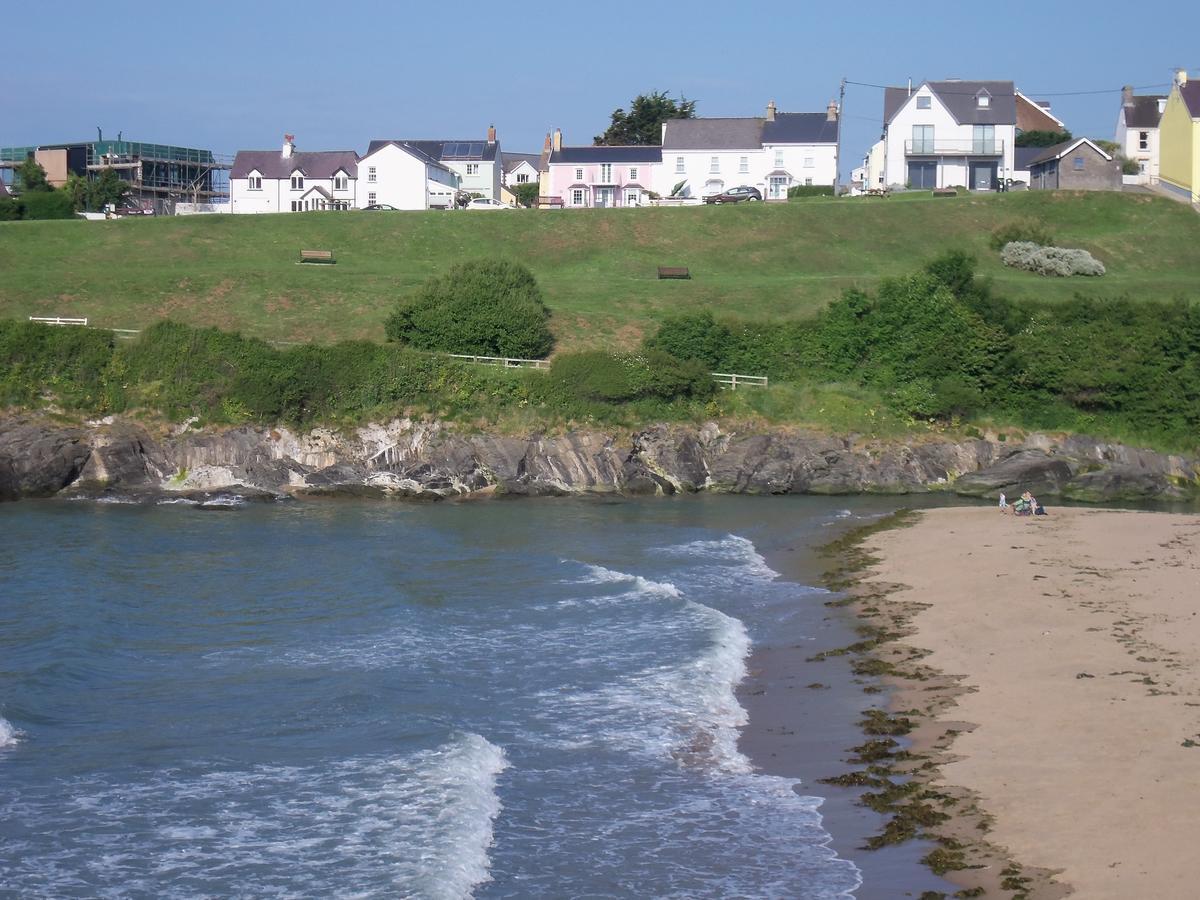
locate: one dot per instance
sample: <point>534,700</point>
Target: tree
<point>108,188</point>
<point>32,177</point>
<point>642,125</point>
<point>1041,138</point>
<point>526,193</point>
<point>77,188</point>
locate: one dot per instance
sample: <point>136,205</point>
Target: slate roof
<point>1058,151</point>
<point>959,98</point>
<point>1190,93</point>
<point>800,128</point>
<point>606,155</point>
<point>1144,112</point>
<point>713,134</point>
<point>436,149</point>
<point>1023,157</point>
<point>511,160</point>
<point>273,164</point>
<point>407,148</point>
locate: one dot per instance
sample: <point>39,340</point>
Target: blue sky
<point>229,76</point>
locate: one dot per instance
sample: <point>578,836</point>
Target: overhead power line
<point>1144,87</point>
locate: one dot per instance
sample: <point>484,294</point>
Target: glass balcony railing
<point>962,147</point>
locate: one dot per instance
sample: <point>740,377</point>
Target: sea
<point>532,698</point>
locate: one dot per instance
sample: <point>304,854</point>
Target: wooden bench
<point>324,257</point>
<point>673,272</point>
<point>945,192</point>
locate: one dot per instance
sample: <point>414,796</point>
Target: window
<point>371,199</point>
<point>254,183</point>
<point>808,162</point>
<point>679,169</point>
<point>1078,163</point>
<point>371,174</point>
<point>606,173</point>
<point>472,168</point>
<point>577,197</point>
<point>1143,140</point>
<point>714,164</point>
<point>923,101</point>
<point>633,198</point>
<point>983,101</point>
<point>808,181</point>
<point>983,139</point>
<point>522,178</point>
<point>922,139</point>
<point>294,202</point>
<point>743,165</point>
<point>297,182</point>
<point>633,173</point>
<point>779,159</point>
<point>339,183</point>
<point>579,174</point>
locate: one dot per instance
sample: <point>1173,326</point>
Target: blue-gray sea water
<point>497,699</point>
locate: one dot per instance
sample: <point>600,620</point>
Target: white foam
<point>731,548</point>
<point>9,736</point>
<point>601,575</point>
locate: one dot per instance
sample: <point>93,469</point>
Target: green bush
<point>693,336</point>
<point>596,375</point>
<point>46,205</point>
<point>489,308</point>
<point>66,364</point>
<point>10,209</point>
<point>1041,138</point>
<point>1030,230</point>
<point>810,190</point>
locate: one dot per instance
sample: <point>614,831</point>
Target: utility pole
<point>837,150</point>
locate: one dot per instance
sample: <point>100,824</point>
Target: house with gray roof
<point>588,176</point>
<point>774,152</point>
<point>477,163</point>
<point>1077,165</point>
<point>952,133</point>
<point>403,176</point>
<point>285,180</point>
<point>1137,131</point>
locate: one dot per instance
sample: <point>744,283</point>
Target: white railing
<point>58,320</point>
<point>506,362</point>
<point>732,381</point>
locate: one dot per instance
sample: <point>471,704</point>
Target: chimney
<point>557,145</point>
<point>546,146</point>
<point>771,111</point>
<point>1127,95</point>
<point>289,145</point>
<point>831,111</point>
<point>491,134</point>
<point>1181,77</point>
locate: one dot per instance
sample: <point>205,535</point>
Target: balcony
<point>963,147</point>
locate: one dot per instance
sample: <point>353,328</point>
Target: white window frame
<point>472,168</point>
<point>254,182</point>
<point>371,174</point>
<point>371,198</point>
<point>633,173</point>
<point>983,101</point>
<point>743,165</point>
<point>340,182</point>
<point>633,197</point>
<point>606,173</point>
<point>778,159</point>
<point>577,197</point>
<point>522,178</point>
<point>924,101</point>
<point>714,165</point>
<point>808,162</point>
<point>680,167</point>
<point>1143,140</point>
<point>297,182</point>
<point>579,174</point>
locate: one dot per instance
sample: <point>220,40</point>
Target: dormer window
<point>923,101</point>
<point>254,182</point>
<point>297,182</point>
<point>339,182</point>
<point>983,101</point>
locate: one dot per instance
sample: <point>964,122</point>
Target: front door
<point>983,176</point>
<point>604,196</point>
<point>777,189</point>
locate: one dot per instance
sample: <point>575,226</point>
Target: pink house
<point>580,177</point>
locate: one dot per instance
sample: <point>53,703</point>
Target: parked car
<point>735,195</point>
<point>379,206</point>
<point>485,203</point>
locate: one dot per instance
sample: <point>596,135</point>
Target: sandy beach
<point>1075,642</point>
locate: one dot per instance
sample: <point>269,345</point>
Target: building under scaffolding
<point>158,175</point>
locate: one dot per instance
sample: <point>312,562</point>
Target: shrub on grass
<point>1059,261</point>
<point>490,308</point>
<point>1030,230</point>
<point>797,191</point>
<point>596,375</point>
<point>693,336</point>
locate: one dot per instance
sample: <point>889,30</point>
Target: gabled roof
<point>376,146</point>
<point>800,128</point>
<point>713,134</point>
<point>447,151</point>
<point>959,97</point>
<point>273,164</point>
<point>1058,151</point>
<point>1144,111</point>
<point>1190,93</point>
<point>510,161</point>
<point>605,154</point>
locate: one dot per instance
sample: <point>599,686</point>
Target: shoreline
<point>1047,675</point>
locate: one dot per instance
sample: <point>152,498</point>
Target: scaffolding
<point>158,175</point>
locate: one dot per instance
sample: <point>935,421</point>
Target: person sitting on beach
<point>1023,506</point>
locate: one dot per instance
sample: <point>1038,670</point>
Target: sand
<point>1077,636</point>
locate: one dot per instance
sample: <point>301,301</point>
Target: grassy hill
<point>596,267</point>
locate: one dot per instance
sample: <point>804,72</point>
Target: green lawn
<point>597,267</point>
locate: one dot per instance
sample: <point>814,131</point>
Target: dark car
<point>735,195</point>
<point>379,206</point>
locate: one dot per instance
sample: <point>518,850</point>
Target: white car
<point>485,203</point>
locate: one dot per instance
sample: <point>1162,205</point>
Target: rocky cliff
<point>431,461</point>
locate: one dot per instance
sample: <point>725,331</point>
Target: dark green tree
<point>526,193</point>
<point>1041,138</point>
<point>77,188</point>
<point>642,124</point>
<point>108,188</point>
<point>31,177</point>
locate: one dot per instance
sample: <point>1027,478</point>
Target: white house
<point>399,175</point>
<point>273,181</point>
<point>949,133</point>
<point>520,168</point>
<point>477,163</point>
<point>771,153</point>
<point>1137,131</point>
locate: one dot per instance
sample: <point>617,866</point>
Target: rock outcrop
<point>424,460</point>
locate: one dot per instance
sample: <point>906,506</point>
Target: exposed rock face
<point>429,461</point>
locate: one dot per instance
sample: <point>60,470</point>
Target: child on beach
<point>1003,503</point>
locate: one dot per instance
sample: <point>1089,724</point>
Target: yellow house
<point>1179,140</point>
